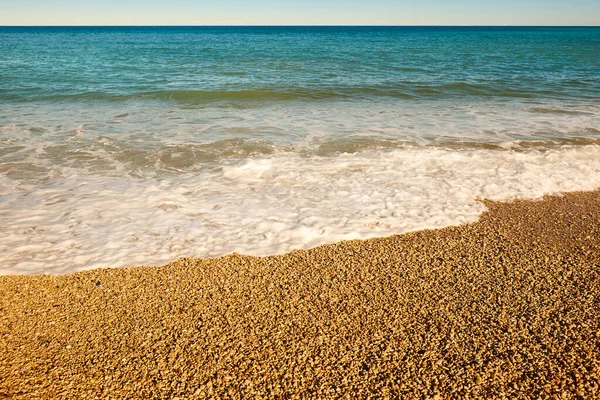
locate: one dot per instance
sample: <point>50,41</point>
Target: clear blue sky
<point>297,12</point>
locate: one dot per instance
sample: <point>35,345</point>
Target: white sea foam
<point>267,204</point>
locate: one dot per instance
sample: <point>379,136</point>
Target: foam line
<point>268,204</point>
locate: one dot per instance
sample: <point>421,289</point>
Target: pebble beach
<point>505,307</point>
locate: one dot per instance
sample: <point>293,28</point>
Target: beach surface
<point>505,307</point>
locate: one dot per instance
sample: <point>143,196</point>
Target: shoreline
<point>267,205</point>
<point>506,306</point>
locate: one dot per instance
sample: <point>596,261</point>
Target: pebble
<point>506,307</point>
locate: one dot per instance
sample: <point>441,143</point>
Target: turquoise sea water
<point>129,145</point>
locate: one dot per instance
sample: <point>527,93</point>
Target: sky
<point>298,12</point>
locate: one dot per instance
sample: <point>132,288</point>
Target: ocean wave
<point>109,156</point>
<point>267,204</point>
<point>408,90</point>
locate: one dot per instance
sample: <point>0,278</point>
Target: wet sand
<point>507,307</point>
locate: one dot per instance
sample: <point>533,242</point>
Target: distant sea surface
<point>126,146</point>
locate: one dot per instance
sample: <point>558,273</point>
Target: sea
<point>124,146</point>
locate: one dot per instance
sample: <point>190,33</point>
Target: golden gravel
<point>507,307</point>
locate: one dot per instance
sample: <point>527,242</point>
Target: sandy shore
<point>506,307</point>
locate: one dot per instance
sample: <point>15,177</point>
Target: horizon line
<point>305,25</point>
